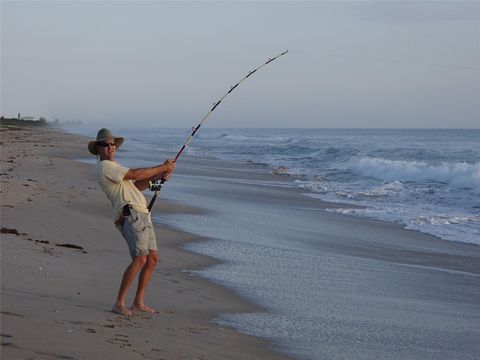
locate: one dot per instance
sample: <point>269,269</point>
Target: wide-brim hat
<point>104,135</point>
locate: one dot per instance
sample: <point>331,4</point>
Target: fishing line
<point>157,185</point>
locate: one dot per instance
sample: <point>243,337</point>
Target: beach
<point>250,267</point>
<point>62,260</point>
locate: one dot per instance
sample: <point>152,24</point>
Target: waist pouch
<point>125,212</point>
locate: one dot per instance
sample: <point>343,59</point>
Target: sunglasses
<point>104,144</point>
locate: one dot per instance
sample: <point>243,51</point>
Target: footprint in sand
<point>169,312</point>
<point>6,336</point>
<point>12,314</point>
<point>120,340</point>
<point>56,356</point>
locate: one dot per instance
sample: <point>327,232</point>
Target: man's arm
<point>144,184</point>
<point>143,175</point>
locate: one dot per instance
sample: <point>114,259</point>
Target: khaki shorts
<point>138,232</point>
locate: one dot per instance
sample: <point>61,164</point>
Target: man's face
<point>107,148</point>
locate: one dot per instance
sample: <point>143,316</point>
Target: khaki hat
<point>103,135</point>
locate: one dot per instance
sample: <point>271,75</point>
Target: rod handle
<point>152,201</point>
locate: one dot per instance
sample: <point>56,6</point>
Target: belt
<point>125,212</point>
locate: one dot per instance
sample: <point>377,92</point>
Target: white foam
<point>314,186</point>
<point>445,220</point>
<point>463,228</point>
<point>460,175</point>
<point>388,189</point>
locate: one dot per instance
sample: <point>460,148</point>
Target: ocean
<point>426,180</point>
<point>423,180</point>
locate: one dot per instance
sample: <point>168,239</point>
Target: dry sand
<point>62,259</point>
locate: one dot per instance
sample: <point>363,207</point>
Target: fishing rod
<point>158,184</point>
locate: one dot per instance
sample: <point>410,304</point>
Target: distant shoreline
<point>21,123</point>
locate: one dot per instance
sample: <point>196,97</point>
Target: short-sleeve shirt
<point>120,192</point>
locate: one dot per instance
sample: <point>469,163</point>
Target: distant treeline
<point>19,122</point>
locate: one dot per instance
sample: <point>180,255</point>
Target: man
<point>123,188</point>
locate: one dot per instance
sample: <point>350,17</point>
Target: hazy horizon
<point>163,64</point>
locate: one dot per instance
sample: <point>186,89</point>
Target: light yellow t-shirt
<point>120,192</point>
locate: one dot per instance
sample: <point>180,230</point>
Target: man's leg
<point>138,262</point>
<point>143,280</point>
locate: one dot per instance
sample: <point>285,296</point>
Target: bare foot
<point>122,310</point>
<point>143,308</point>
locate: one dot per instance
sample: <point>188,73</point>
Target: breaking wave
<point>460,175</point>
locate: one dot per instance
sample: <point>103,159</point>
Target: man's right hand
<point>169,165</point>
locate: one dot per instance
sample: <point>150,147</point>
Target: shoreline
<point>361,280</point>
<point>62,260</point>
<point>417,248</point>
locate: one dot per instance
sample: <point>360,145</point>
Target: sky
<point>360,64</point>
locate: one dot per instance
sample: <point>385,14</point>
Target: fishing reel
<point>155,185</point>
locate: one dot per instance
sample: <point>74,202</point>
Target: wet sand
<point>337,286</point>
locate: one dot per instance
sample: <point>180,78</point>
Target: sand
<point>62,259</point>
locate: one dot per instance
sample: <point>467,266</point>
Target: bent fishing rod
<point>157,185</point>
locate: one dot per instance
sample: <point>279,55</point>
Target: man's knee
<point>153,258</point>
<point>139,261</point>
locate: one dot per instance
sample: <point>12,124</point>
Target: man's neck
<point>109,158</point>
